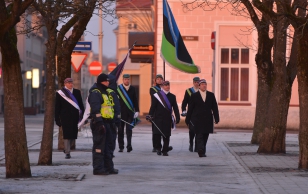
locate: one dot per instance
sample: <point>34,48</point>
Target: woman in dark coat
<point>201,109</point>
<point>69,110</point>
<point>162,117</point>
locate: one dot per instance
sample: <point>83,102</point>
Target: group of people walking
<point>113,109</point>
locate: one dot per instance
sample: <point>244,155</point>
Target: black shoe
<point>165,154</point>
<point>191,148</point>
<point>129,149</point>
<point>154,150</point>
<point>64,151</point>
<point>100,172</point>
<point>201,153</point>
<point>158,152</point>
<point>114,171</point>
<point>67,156</point>
<point>170,148</point>
<point>120,150</point>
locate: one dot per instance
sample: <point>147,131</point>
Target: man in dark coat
<point>129,111</point>
<point>69,110</point>
<point>163,104</point>
<point>201,109</point>
<point>185,101</point>
<point>156,88</point>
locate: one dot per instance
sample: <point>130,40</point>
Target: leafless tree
<point>16,152</point>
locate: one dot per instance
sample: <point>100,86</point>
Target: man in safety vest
<point>154,89</point>
<point>185,102</point>
<point>102,114</point>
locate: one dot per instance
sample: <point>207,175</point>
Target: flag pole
<point>164,70</point>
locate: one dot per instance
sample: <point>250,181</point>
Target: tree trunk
<point>45,157</point>
<point>302,76</point>
<point>64,71</point>
<point>16,149</point>
<point>273,136</point>
<point>264,68</point>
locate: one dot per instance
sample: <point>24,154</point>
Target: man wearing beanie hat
<point>163,104</point>
<point>102,115</point>
<point>201,110</point>
<point>69,110</point>
<point>129,112</point>
<point>185,101</point>
<point>156,88</point>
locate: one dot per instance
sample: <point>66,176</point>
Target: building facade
<point>229,69</point>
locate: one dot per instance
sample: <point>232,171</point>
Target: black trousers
<point>201,139</point>
<point>128,130</point>
<point>98,149</point>
<point>114,129</point>
<point>109,144</point>
<point>157,142</point>
<point>192,137</point>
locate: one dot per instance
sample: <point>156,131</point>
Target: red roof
<point>132,4</point>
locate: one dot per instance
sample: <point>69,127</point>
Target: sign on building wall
<point>190,38</point>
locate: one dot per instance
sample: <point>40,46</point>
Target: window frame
<point>231,66</point>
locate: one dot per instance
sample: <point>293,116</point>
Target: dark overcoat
<point>200,114</point>
<point>131,92</point>
<point>68,115</point>
<point>162,116</point>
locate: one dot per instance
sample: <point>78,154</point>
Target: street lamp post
<point>34,75</point>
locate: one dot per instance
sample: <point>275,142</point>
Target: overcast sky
<point>109,38</point>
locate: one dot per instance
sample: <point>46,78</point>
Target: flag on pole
<point>118,70</point>
<point>173,49</point>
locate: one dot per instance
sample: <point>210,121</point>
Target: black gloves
<point>149,118</point>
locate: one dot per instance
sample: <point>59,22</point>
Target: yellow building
<point>135,16</point>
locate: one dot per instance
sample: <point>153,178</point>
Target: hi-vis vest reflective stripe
<point>107,110</point>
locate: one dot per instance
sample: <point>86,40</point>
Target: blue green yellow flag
<point>173,49</point>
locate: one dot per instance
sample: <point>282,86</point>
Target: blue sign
<point>83,46</point>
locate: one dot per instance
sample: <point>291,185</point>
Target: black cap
<point>165,83</point>
<point>196,79</point>
<point>126,76</point>
<point>102,78</point>
<point>159,76</point>
<point>202,81</point>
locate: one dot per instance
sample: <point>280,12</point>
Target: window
<point>234,75</point>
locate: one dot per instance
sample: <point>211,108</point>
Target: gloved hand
<point>58,123</point>
<point>184,113</point>
<point>148,118</point>
<point>136,115</point>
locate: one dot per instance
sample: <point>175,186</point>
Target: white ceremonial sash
<point>173,119</point>
<point>69,100</point>
<point>86,114</point>
<point>158,98</point>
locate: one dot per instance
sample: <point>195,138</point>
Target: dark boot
<point>190,148</point>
